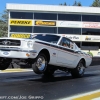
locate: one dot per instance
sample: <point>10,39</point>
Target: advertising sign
<point>90,38</point>
<point>69,24</point>
<point>45,23</point>
<point>91,25</point>
<point>15,35</point>
<point>19,22</point>
<point>77,24</point>
<point>74,37</point>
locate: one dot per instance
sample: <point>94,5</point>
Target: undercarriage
<point>10,63</point>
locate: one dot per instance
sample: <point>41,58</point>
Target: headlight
<point>30,44</point>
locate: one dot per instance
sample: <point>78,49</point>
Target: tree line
<point>95,3</point>
<point>4,16</point>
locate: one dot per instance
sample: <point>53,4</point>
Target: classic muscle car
<point>45,53</point>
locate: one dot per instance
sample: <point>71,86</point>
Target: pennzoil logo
<point>20,35</point>
<point>21,22</point>
<point>45,23</point>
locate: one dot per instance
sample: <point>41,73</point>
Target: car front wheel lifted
<point>40,64</point>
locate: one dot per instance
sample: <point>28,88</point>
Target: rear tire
<point>40,64</point>
<point>79,70</point>
<point>4,63</point>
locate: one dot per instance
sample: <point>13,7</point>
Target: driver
<point>64,44</point>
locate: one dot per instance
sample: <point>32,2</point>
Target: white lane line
<point>96,98</point>
<point>79,95</point>
<point>15,70</point>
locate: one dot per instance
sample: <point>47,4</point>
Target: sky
<point>48,2</point>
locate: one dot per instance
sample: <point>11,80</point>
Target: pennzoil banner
<point>21,22</point>
<point>45,23</point>
<point>20,35</point>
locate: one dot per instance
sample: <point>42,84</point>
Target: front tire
<point>79,70</point>
<point>4,63</point>
<point>40,64</point>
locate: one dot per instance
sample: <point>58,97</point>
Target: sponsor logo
<point>21,22</point>
<point>91,25</point>
<point>73,37</point>
<point>96,38</point>
<point>45,23</point>
<point>92,38</point>
<point>69,24</point>
<point>20,35</point>
<point>87,38</point>
<point>5,53</point>
<point>6,42</point>
<point>72,24</point>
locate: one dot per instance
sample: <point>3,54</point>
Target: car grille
<point>10,42</point>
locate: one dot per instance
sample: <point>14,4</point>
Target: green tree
<point>60,4</point>
<point>77,3</point>
<point>96,3</point>
<point>63,4</point>
<point>4,23</point>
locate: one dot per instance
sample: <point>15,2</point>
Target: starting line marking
<point>15,70</point>
<point>94,95</point>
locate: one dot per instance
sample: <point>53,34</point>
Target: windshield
<point>47,38</point>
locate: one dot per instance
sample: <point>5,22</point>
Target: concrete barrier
<point>95,61</point>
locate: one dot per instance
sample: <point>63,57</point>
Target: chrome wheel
<point>41,63</point>
<point>79,70</point>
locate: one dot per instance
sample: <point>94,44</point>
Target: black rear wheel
<point>4,63</point>
<point>79,70</point>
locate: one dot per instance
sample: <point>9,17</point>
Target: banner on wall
<point>20,35</point>
<point>77,24</point>
<point>21,22</point>
<point>91,25</point>
<point>90,38</point>
<point>69,24</point>
<point>45,23</point>
<point>74,37</point>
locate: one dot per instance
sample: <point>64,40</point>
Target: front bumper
<point>17,53</point>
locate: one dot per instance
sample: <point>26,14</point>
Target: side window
<point>66,43</point>
<point>71,45</point>
<point>76,47</point>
